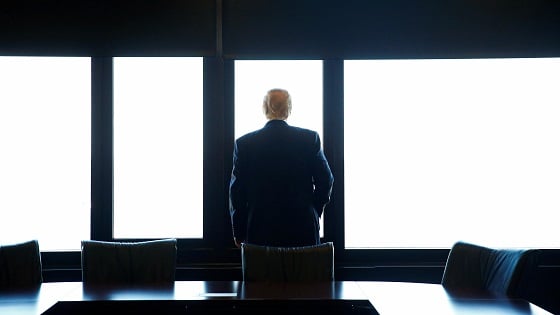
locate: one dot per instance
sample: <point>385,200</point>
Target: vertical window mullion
<point>102,148</point>
<point>333,120</point>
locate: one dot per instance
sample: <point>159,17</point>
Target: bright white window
<point>438,151</point>
<point>303,79</point>
<point>158,151</point>
<point>45,140</point>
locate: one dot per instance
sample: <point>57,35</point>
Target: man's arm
<point>322,177</point>
<point>238,200</point>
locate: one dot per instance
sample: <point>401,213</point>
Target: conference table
<point>237,297</point>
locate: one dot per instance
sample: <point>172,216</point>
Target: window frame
<point>214,256</point>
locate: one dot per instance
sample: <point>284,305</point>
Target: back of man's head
<point>277,104</point>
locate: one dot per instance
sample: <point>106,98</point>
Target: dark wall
<point>107,27</point>
<point>391,29</point>
<point>282,28</point>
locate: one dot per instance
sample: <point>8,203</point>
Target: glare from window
<point>438,151</point>
<point>303,79</point>
<point>45,140</point>
<point>158,147</point>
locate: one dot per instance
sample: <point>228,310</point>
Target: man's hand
<point>237,242</point>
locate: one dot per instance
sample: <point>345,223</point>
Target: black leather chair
<point>20,265</point>
<point>500,271</point>
<point>136,263</point>
<point>288,264</point>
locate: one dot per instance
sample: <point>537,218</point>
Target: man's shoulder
<point>293,131</point>
<point>303,131</point>
<point>248,137</point>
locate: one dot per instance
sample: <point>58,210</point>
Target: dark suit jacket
<point>280,184</point>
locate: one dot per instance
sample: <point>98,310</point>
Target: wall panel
<point>390,29</point>
<point>108,27</point>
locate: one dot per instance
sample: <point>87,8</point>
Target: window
<point>158,147</point>
<point>302,78</point>
<point>443,150</point>
<point>45,138</point>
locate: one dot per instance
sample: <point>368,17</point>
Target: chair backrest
<point>471,266</point>
<point>148,262</point>
<point>20,265</point>
<point>288,264</point>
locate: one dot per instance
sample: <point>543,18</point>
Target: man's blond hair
<point>277,104</point>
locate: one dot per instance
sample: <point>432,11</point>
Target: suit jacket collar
<point>275,123</point>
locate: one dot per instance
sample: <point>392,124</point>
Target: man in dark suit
<point>280,182</point>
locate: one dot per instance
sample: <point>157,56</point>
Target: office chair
<point>499,271</point>
<point>20,265</point>
<point>288,264</point>
<point>148,262</point>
